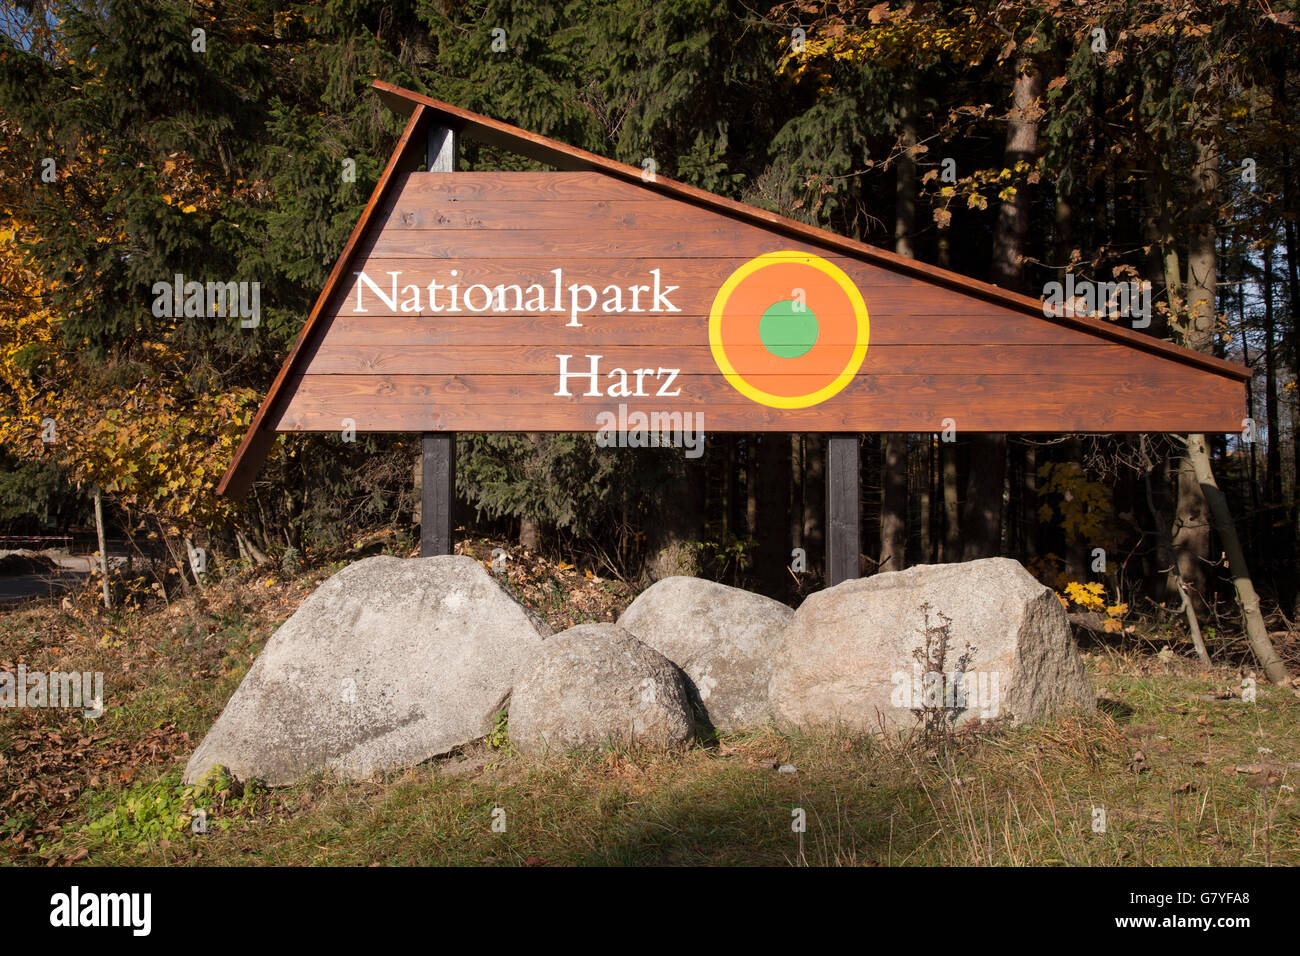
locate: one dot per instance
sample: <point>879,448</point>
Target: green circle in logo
<point>788,329</point>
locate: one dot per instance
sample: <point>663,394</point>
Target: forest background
<point>1011,141</point>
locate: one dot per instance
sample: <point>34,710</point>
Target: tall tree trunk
<point>1274,459</point>
<point>1295,494</point>
<point>893,445</point>
<point>1154,237</point>
<point>1279,536</point>
<point>673,539</point>
<point>733,528</point>
<point>1191,535</point>
<point>982,520</point>
<point>951,544</point>
<point>1240,259</point>
<point>1172,268</point>
<point>1248,600</point>
<point>814,499</point>
<point>796,490</point>
<point>893,502</point>
<point>1028,502</point>
<point>773,492</point>
<point>1170,261</point>
<point>1290,208</point>
<point>1077,552</point>
<point>1156,505</point>
<point>249,551</point>
<point>926,517</point>
<point>728,508</point>
<point>905,176</point>
<point>103,547</point>
<point>751,485</point>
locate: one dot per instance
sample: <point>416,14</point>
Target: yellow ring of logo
<point>737,381</point>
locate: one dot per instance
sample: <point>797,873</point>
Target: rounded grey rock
<point>850,656</point>
<point>724,639</point>
<point>595,685</point>
<point>388,663</point>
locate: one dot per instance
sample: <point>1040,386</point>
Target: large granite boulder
<point>724,639</point>
<point>596,685</point>
<point>998,646</point>
<point>388,663</point>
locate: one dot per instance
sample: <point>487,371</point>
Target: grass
<point>1185,774</point>
<point>1020,797</point>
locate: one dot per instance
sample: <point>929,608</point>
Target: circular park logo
<point>788,329</point>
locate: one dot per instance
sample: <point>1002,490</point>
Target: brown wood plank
<point>1028,402</point>
<point>601,215</point>
<point>550,244</point>
<point>603,270</point>
<point>509,417</point>
<point>887,328</point>
<point>949,359</point>
<point>521,186</point>
<point>702,274</point>
<point>1004,393</point>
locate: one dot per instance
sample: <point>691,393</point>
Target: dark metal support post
<point>843,527</point>
<point>438,449</point>
<point>437,493</point>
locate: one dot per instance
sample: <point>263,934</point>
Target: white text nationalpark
<point>577,299</point>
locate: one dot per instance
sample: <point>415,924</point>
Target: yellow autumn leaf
<point>1087,596</point>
